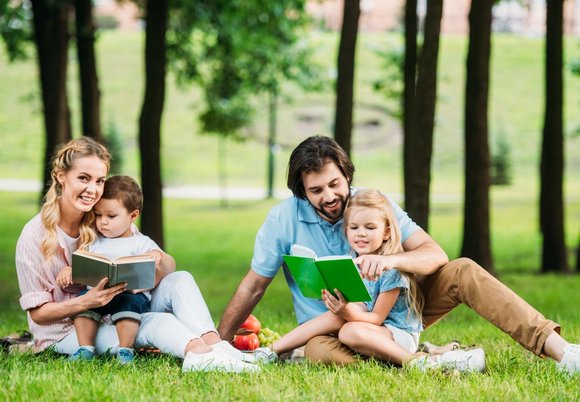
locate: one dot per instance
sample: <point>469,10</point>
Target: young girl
<point>386,328</point>
<point>116,211</point>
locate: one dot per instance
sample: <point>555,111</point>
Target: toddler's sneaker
<point>570,362</point>
<point>265,356</point>
<point>215,361</point>
<point>125,355</point>
<point>83,353</point>
<point>472,360</point>
<point>228,349</point>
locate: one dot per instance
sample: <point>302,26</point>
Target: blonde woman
<point>179,322</point>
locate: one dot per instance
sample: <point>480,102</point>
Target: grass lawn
<point>215,244</point>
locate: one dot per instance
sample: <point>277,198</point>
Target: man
<point>319,176</point>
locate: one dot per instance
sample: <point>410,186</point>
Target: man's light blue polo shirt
<point>295,221</point>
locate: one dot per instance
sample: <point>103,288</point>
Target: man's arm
<point>422,256</point>
<point>248,294</point>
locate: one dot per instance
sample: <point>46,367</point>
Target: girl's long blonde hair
<point>62,161</point>
<point>374,199</point>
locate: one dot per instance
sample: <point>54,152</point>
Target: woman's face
<point>82,186</point>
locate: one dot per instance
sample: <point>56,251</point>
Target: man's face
<point>328,191</point>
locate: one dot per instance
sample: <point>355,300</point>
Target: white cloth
<point>178,315</point>
<point>406,340</point>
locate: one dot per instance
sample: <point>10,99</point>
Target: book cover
<point>90,268</point>
<point>332,272</point>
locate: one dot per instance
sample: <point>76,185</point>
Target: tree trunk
<point>89,82</point>
<point>421,143</point>
<point>409,78</point>
<point>476,234</point>
<point>150,119</point>
<point>345,78</point>
<point>51,35</point>
<point>554,256</point>
<point>273,105</point>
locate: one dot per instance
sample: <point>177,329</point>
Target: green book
<point>332,272</point>
<point>90,268</point>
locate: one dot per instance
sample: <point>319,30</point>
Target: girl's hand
<point>372,265</point>
<point>64,277</point>
<point>100,296</point>
<point>338,306</point>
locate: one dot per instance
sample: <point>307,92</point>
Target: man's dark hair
<point>124,189</point>
<point>310,156</point>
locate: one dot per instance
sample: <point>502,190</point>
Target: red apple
<point>251,324</point>
<point>246,342</point>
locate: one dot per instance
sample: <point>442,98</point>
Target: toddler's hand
<point>64,277</point>
<point>156,255</point>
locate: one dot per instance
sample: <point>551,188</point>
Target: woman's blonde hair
<point>375,200</point>
<point>62,161</point>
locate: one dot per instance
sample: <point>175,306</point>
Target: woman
<point>65,223</point>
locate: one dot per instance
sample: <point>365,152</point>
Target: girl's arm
<point>98,296</point>
<point>349,312</point>
<point>325,324</point>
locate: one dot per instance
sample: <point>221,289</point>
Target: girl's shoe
<point>82,353</point>
<point>265,356</point>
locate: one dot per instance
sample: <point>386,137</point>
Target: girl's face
<point>82,186</point>
<point>366,230</point>
<point>113,219</point>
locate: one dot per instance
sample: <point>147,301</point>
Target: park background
<point>213,238</point>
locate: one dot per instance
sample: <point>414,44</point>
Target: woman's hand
<point>372,265</point>
<point>99,295</point>
<point>64,277</point>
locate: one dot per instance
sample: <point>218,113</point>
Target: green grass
<point>516,111</point>
<point>215,244</point>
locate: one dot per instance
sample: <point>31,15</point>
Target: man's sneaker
<point>227,348</point>
<point>125,355</point>
<point>215,361</point>
<point>472,360</point>
<point>82,353</point>
<point>570,362</point>
<point>265,356</point>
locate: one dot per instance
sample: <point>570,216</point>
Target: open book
<point>90,268</point>
<point>313,274</point>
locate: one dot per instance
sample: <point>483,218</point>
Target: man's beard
<point>336,215</point>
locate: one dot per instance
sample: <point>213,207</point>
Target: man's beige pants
<point>460,281</point>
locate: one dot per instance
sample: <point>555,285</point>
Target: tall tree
<point>51,36</point>
<point>476,233</point>
<point>89,82</point>
<point>345,77</point>
<point>554,256</point>
<point>156,15</point>
<point>419,139</point>
<point>409,78</point>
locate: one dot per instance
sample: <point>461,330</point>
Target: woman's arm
<point>350,312</point>
<point>98,296</point>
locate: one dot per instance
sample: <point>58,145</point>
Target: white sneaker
<point>463,360</point>
<point>424,363</point>
<point>228,349</point>
<point>215,361</point>
<point>571,360</point>
<point>265,355</point>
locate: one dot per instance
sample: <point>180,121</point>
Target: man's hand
<point>64,277</point>
<point>372,265</point>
